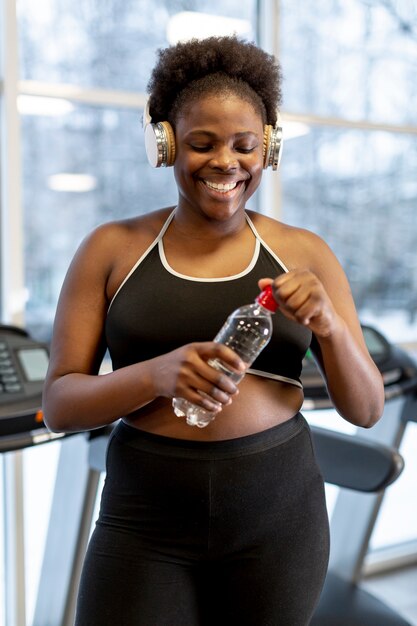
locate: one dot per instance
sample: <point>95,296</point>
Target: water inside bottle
<point>247,336</point>
<point>221,367</point>
<point>195,415</point>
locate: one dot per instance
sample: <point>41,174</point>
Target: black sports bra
<point>156,310</point>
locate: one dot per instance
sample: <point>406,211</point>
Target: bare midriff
<point>260,404</point>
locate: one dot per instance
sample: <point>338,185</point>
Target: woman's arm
<point>75,396</point>
<point>320,299</point>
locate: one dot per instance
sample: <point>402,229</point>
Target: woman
<point>226,524</point>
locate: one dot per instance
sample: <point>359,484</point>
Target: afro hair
<point>214,64</point>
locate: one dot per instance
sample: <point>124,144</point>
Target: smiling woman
<point>219,162</point>
<point>182,513</point>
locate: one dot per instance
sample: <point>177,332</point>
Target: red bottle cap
<point>267,300</point>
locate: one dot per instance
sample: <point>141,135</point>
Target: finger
<point>211,402</point>
<point>209,397</point>
<point>196,372</point>
<point>289,284</point>
<point>264,282</point>
<point>218,381</point>
<point>214,381</point>
<point>307,312</point>
<point>203,400</point>
<point>214,384</point>
<point>290,295</point>
<point>214,350</point>
<point>298,299</point>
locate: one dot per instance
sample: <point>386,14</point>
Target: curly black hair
<point>188,70</point>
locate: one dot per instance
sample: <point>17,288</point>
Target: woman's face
<point>218,164</point>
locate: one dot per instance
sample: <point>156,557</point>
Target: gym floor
<point>398,589</point>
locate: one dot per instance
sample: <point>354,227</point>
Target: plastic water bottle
<point>246,331</point>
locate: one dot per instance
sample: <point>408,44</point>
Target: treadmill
<point>82,463</point>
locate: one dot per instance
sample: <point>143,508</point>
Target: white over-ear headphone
<point>160,142</point>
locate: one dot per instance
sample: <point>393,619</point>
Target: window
<point>352,59</point>
<point>80,169</point>
<point>357,189</point>
<point>112,45</point>
<point>84,164</point>
<point>350,175</point>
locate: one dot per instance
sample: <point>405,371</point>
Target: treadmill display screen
<point>34,363</point>
<point>375,343</point>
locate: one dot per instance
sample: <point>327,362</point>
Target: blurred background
<point>73,82</point>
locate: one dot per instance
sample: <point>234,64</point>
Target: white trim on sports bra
<point>264,244</point>
<point>278,377</point>
<point>198,279</point>
<point>159,241</point>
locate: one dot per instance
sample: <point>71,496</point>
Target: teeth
<point>221,186</point>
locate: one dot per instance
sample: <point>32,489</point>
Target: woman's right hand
<point>185,373</point>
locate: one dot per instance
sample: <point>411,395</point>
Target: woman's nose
<point>224,158</point>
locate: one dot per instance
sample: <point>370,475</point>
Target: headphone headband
<point>146,117</point>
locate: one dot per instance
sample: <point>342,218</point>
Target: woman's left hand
<point>302,297</point>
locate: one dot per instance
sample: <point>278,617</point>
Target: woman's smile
<point>222,187</point>
<point>223,191</point>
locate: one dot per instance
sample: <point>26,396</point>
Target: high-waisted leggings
<point>207,533</point>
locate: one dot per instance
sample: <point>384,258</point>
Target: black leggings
<point>207,533</point>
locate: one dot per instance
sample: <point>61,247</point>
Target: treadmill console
<point>23,366</point>
<point>398,370</point>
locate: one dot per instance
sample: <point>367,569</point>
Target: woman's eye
<point>207,148</point>
<point>245,150</point>
<point>201,148</point>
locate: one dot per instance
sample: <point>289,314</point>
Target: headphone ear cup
<point>266,145</point>
<point>272,146</point>
<point>160,144</point>
<point>170,139</point>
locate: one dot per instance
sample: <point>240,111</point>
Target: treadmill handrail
<point>354,462</point>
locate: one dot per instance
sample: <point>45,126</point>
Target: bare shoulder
<point>108,253</point>
<point>297,247</point>
<point>122,235</point>
<point>114,245</point>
